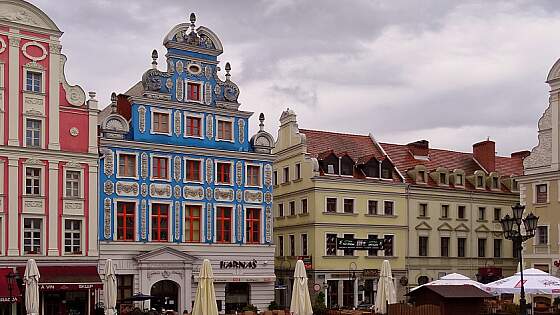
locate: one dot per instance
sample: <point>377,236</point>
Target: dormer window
<point>346,166</point>
<point>329,164</point>
<point>479,181</point>
<point>459,180</point>
<point>370,169</point>
<point>421,178</point>
<point>330,169</point>
<point>442,178</point>
<point>514,185</point>
<point>495,183</point>
<point>386,170</point>
<point>193,91</point>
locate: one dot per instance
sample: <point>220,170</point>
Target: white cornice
<point>41,154</point>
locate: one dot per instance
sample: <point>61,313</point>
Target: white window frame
<point>535,192</point>
<point>341,251</point>
<point>227,119</point>
<point>306,205</point>
<point>261,225</point>
<point>476,177</point>
<point>461,183</point>
<point>426,214</point>
<point>260,166</point>
<point>151,167</point>
<point>394,208</point>
<point>40,118</point>
<point>119,153</point>
<point>394,245</point>
<point>231,174</point>
<point>301,244</point>
<point>202,126</point>
<point>170,219</point>
<point>497,178</point>
<point>376,209</point>
<point>233,223</point>
<point>64,253</point>
<point>285,179</point>
<point>465,215</point>
<point>169,113</point>
<point>290,246</point>
<point>27,69</point>
<point>201,91</point>
<point>42,169</point>
<point>448,211</point>
<point>80,182</point>
<point>337,204</point>
<point>283,210</point>
<point>202,206</point>
<point>537,243</point>
<point>289,208</point>
<point>353,206</point>
<point>42,235</point>
<point>137,227</point>
<point>201,170</point>
<point>325,244</point>
<point>297,167</point>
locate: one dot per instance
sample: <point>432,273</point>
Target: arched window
<point>423,280</point>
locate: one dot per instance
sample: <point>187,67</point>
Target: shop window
<point>292,239</point>
<point>330,246</point>
<point>348,294</point>
<point>423,210</point>
<point>32,230</point>
<point>304,244</point>
<point>192,223</point>
<point>33,181</point>
<point>331,205</point>
<point>33,133</point>
<point>292,206</point>
<point>444,247</point>
<point>124,287</point>
<point>73,184</point>
<point>253,175</point>
<point>281,245</point>
<point>497,214</point>
<point>423,246</point>
<point>193,126</point>
<point>461,246</point>
<point>332,294</point>
<point>193,91</point>
<point>304,206</point>
<point>192,170</point>
<point>497,248</point>
<point>280,209</point>
<point>73,237</point>
<point>372,207</point>
<point>445,211</point>
<point>389,207</point>
<point>461,212</point>
<point>33,81</point>
<point>223,173</point>
<point>223,230</point>
<point>160,168</point>
<point>225,130</point>
<point>481,213</point>
<point>388,245</point>
<point>349,252</point>
<point>127,165</point>
<point>372,252</point>
<point>125,221</point>
<point>253,226</point>
<point>160,122</point>
<point>481,247</point>
<point>542,235</point>
<point>160,222</point>
<point>348,205</point>
<point>542,193</point>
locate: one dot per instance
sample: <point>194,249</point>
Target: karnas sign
<point>234,264</point>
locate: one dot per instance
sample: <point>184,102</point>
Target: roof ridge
<point>445,150</point>
<point>302,130</point>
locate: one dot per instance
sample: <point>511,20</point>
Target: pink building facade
<point>48,164</point>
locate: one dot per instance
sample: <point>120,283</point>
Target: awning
<point>67,277</point>
<point>5,295</point>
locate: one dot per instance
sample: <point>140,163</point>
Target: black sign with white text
<point>359,244</point>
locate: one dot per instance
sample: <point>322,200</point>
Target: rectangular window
<point>495,182</point>
<point>389,207</point>
<point>253,226</point>
<point>33,81</point>
<point>193,126</point>
<point>372,207</point>
<point>73,237</point>
<point>348,252</point>
<point>127,165</point>
<point>124,286</point>
<point>160,222</point>
<point>372,252</point>
<point>253,175</point>
<point>461,249</point>
<point>280,245</point>
<point>298,171</point>
<point>33,133</point>
<point>461,212</point>
<point>192,170</point>
<point>304,206</point>
<point>280,209</point>
<point>497,248</point>
<point>286,174</point>
<point>421,177</point>
<point>32,181</point>
<point>193,91</point>
<point>73,184</point>
<point>497,214</point>
<point>542,193</point>
<point>292,245</point>
<point>515,249</point>
<point>481,213</point>
<point>160,168</point>
<point>423,210</point>
<point>223,230</point>
<point>223,173</point>
<point>442,178</point>
<point>330,249</point>
<point>125,221</point>
<point>331,205</point>
<point>542,235</point>
<point>459,179</point>
<point>275,178</point>
<point>348,205</point>
<point>444,247</point>
<point>160,122</point>
<point>423,246</point>
<point>192,223</point>
<point>479,181</point>
<point>292,207</point>
<point>32,229</point>
<point>224,130</point>
<point>445,211</point>
<point>388,245</point>
<point>304,244</point>
<point>481,247</point>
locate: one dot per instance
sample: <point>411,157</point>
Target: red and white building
<point>48,166</point>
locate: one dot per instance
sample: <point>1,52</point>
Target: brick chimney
<point>485,154</point>
<point>520,154</point>
<point>419,148</point>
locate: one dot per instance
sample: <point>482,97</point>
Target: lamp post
<point>352,276</point>
<point>512,231</point>
<point>286,266</point>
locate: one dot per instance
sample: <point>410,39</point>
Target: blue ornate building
<point>180,181</point>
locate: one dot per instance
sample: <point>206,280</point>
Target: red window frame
<point>253,175</point>
<point>192,216</point>
<point>223,222</point>
<point>253,223</point>
<point>160,122</point>
<point>225,130</point>
<point>193,126</point>
<point>224,173</point>
<point>127,160</point>
<point>160,222</point>
<point>125,230</point>
<point>193,91</point>
<point>159,167</point>
<point>192,170</point>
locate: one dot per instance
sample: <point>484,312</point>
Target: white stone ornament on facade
<point>55,48</point>
<point>194,68</point>
<point>75,95</point>
<point>177,221</point>
<point>15,41</point>
<point>207,93</point>
<point>144,189</point>
<point>33,203</point>
<point>241,127</point>
<point>2,45</point>
<point>239,225</point>
<point>209,126</point>
<point>540,155</point>
<point>109,164</point>
<point>108,187</point>
<point>193,192</point>
<point>268,218</point>
<point>160,190</point>
<point>223,194</point>
<point>209,171</point>
<point>141,118</point>
<point>144,165</point>
<point>73,206</point>
<point>239,173</point>
<point>177,191</point>
<point>177,123</point>
<point>239,195</point>
<point>253,196</point>
<point>268,197</point>
<point>74,132</point>
<point>31,57</point>
<point>179,66</point>
<point>208,72</point>
<point>177,168</point>
<point>209,193</point>
<point>143,228</point>
<point>179,89</point>
<point>209,231</point>
<point>127,189</point>
<point>107,218</point>
<point>169,83</point>
<point>268,175</point>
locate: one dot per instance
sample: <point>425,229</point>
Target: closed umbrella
<point>386,293</point>
<point>205,299</point>
<point>31,279</point>
<point>110,288</point>
<point>301,302</point>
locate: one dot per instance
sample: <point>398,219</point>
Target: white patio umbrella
<point>453,279</point>
<point>535,282</point>
<point>31,279</point>
<point>205,299</point>
<point>301,302</point>
<point>110,288</point>
<point>386,293</point>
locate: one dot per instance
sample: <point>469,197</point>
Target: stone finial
<point>92,94</point>
<point>261,119</point>
<point>92,102</point>
<point>113,102</point>
<point>228,69</point>
<point>193,20</point>
<point>154,58</point>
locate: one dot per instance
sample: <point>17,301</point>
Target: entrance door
<point>237,296</point>
<point>166,295</point>
<point>332,294</point>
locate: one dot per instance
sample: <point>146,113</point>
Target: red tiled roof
<point>356,146</point>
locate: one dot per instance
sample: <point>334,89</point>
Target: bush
<point>319,307</point>
<point>273,306</point>
<point>250,307</point>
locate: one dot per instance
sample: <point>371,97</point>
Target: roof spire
<point>113,102</point>
<point>228,69</point>
<point>261,119</point>
<point>193,19</point>
<point>154,58</point>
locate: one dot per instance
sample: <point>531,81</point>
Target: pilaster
<point>54,96</point>
<point>13,226</point>
<point>93,245</point>
<point>53,209</point>
<point>13,92</point>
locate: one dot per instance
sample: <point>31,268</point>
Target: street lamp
<point>352,276</point>
<point>512,231</point>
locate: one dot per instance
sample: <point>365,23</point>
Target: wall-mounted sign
<point>236,264</point>
<point>359,244</point>
<point>371,273</point>
<point>307,261</point>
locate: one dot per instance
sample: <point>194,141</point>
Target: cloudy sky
<point>452,72</point>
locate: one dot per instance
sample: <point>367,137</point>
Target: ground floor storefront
<point>168,275</point>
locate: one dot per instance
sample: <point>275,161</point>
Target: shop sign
<point>236,264</point>
<point>69,286</point>
<point>359,244</point>
<point>371,273</point>
<point>8,299</point>
<point>307,261</point>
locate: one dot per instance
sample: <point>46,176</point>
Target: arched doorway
<point>166,295</point>
<point>237,296</point>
